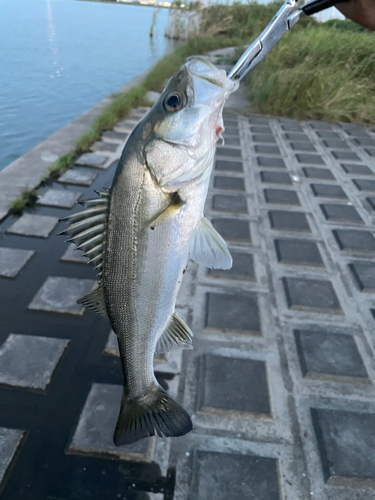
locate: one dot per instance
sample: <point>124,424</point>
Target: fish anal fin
<point>177,336</point>
<point>209,248</point>
<point>140,418</point>
<point>95,301</point>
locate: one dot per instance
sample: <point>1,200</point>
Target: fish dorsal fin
<point>177,336</point>
<point>208,247</point>
<point>88,229</point>
<point>95,301</point>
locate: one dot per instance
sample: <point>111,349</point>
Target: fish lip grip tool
<point>283,21</point>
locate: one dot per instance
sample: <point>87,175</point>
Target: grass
<point>242,20</point>
<point>320,73</point>
<point>26,199</point>
<point>121,105</point>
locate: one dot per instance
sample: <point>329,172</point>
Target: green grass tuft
<point>26,199</point>
<point>320,73</point>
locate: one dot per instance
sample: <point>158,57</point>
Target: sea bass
<point>140,233</point>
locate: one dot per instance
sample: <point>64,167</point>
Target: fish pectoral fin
<point>95,301</point>
<point>174,205</point>
<point>177,336</point>
<point>208,248</point>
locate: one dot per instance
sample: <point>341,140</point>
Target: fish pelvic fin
<point>154,413</point>
<point>209,248</point>
<point>177,335</point>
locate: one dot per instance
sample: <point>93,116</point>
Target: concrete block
<point>371,201</point>
<point>242,269</point>
<point>354,241</point>
<point>288,221</point>
<point>231,312</point>
<point>231,132</point>
<point>364,184</point>
<point>311,295</point>
<point>318,125</point>
<point>346,442</point>
<point>228,203</point>
<point>257,120</point>
<point>318,173</point>
<point>328,135</point>
<point>328,191</point>
<point>345,155</point>
<point>264,138</point>
<point>336,144</point>
<point>109,147</point>
<point>232,141</point>
<point>223,384</point>
<point>10,442</point>
<point>230,122</point>
<point>296,137</point>
<point>223,476</point>
<point>111,135</point>
<point>228,166</point>
<point>291,127</point>
<point>354,169</point>
<point>230,183</point>
<point>276,178</point>
<point>303,146</point>
<point>310,159</point>
<point>233,229</point>
<point>364,275</point>
<point>78,177</point>
<point>260,129</point>
<point>230,152</point>
<point>364,141</point>
<point>265,161</point>
<point>267,150</point>
<point>61,198</point>
<point>300,252</point>
<point>340,213</point>
<point>93,160</point>
<point>281,196</point>
<point>60,295</point>
<point>329,356</point>
<point>12,260</point>
<point>39,226</point>
<point>29,362</point>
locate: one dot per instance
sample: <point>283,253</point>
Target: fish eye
<point>174,101</point>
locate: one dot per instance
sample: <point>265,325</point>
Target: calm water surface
<point>60,57</point>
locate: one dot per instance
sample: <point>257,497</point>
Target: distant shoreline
<point>127,3</point>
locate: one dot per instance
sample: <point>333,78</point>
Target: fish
<point>140,233</point>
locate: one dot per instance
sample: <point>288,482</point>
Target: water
<point>60,57</point>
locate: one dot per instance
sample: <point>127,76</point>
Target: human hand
<point>360,11</point>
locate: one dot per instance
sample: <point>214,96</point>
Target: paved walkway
<point>280,381</point>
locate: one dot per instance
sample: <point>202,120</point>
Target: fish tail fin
<point>156,412</point>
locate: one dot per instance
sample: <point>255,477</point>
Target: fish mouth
<point>204,69</point>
